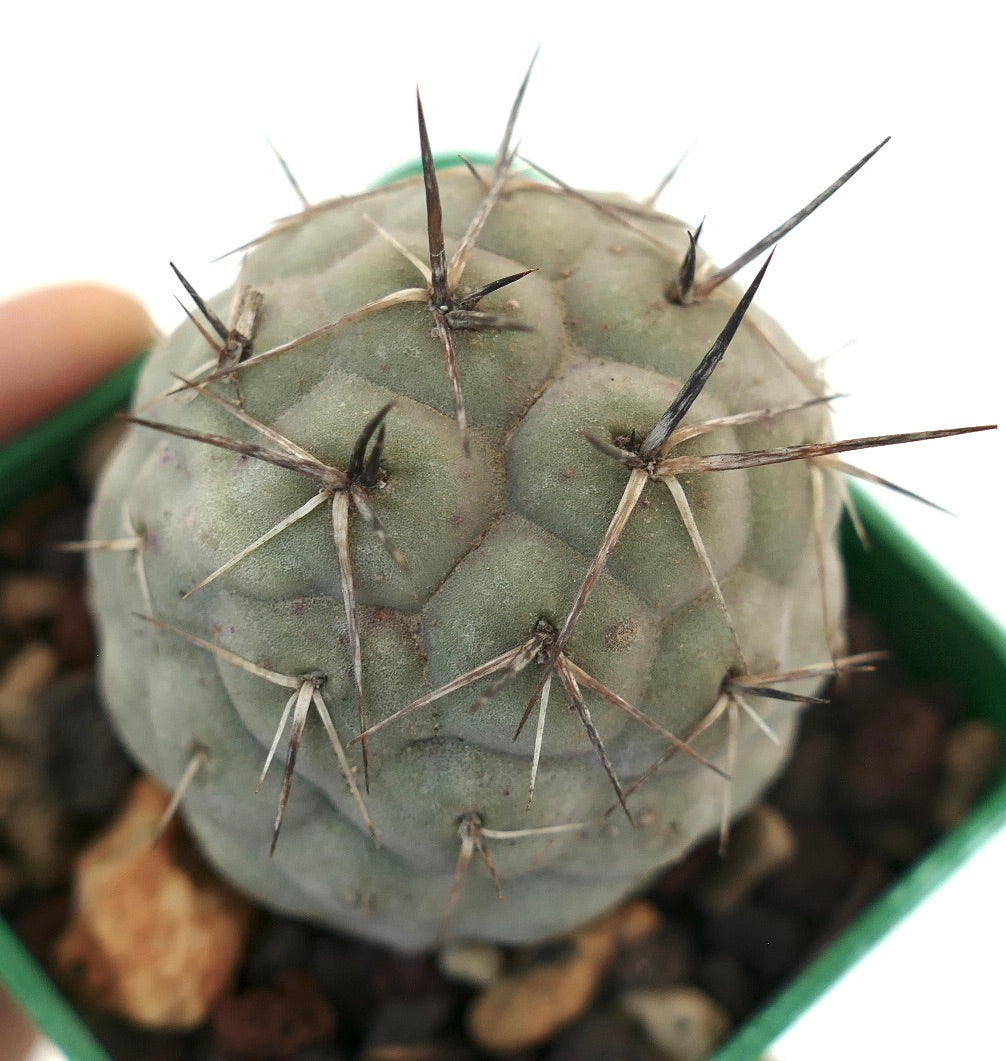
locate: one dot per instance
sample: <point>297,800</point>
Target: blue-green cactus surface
<point>481,498</point>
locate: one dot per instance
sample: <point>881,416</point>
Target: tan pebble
<point>970,756</point>
<point>27,672</point>
<point>636,920</point>
<point>23,679</point>
<point>31,821</point>
<point>34,833</point>
<point>17,714</point>
<point>760,843</point>
<point>154,935</point>
<point>683,1023</point>
<point>474,964</point>
<point>521,1011</point>
<point>26,597</point>
<point>16,780</point>
<point>527,1008</point>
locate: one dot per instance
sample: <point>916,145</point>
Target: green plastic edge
<point>443,160</point>
<point>940,634</point>
<point>43,455</point>
<point>42,1002</point>
<point>33,461</point>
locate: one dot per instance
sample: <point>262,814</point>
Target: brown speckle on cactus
<point>626,487</point>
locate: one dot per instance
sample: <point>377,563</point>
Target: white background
<point>136,133</point>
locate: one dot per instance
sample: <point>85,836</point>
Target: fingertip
<point>56,342</point>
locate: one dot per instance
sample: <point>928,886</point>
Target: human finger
<point>56,342</point>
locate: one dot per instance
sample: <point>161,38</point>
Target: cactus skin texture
<point>495,545</point>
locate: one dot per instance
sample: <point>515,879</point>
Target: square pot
<point>939,634</point>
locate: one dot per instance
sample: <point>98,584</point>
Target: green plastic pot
<point>938,632</point>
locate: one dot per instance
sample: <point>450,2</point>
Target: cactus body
<point>496,543</point>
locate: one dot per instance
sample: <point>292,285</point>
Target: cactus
<point>507,517</point>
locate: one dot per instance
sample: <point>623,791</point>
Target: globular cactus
<point>503,516</point>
